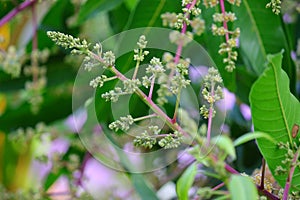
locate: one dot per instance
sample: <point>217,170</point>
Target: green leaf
<point>142,187</point>
<point>242,188</point>
<point>185,182</point>
<point>261,33</point>
<point>92,7</point>
<point>225,143</point>
<point>118,17</point>
<point>275,111</point>
<point>147,13</point>
<point>251,136</point>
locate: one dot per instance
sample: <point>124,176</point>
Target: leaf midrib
<point>280,102</point>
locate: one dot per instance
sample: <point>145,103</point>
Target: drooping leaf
<point>142,187</point>
<point>251,136</point>
<point>242,188</point>
<point>261,33</point>
<point>275,111</point>
<point>185,182</point>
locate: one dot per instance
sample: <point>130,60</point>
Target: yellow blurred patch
<point>4,36</point>
<point>3,104</point>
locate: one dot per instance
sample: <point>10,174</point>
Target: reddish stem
<point>86,158</point>
<point>290,176</point>
<point>218,186</point>
<point>210,117</point>
<point>222,5</point>
<point>151,88</point>
<point>34,24</point>
<point>262,184</point>
<point>183,31</point>
<point>34,60</point>
<point>15,11</point>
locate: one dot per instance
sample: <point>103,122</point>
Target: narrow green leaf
<point>142,187</point>
<point>147,13</point>
<point>93,7</point>
<point>275,111</point>
<point>185,182</point>
<point>225,143</point>
<point>251,136</point>
<point>242,188</point>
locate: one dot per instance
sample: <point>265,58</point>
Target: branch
<point>15,11</point>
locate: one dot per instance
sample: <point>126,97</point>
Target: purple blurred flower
<point>287,18</point>
<point>246,111</point>
<point>76,120</point>
<point>101,181</point>
<point>228,102</point>
<point>184,158</point>
<point>237,42</point>
<point>293,55</point>
<point>225,128</point>
<point>197,73</point>
<point>38,170</point>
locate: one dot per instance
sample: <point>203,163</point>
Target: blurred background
<point>41,153</point>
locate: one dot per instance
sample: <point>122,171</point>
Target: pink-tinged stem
<point>290,176</point>
<point>86,158</point>
<point>15,11</point>
<point>183,31</point>
<point>34,24</point>
<point>222,5</point>
<point>151,88</point>
<point>218,186</point>
<point>210,117</point>
<point>262,182</point>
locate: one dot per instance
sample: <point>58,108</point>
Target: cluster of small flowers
<point>113,95</point>
<point>122,124</point>
<point>144,140</point>
<point>69,42</point>
<point>212,91</point>
<point>293,195</point>
<point>171,140</point>
<point>230,36</point>
<point>33,93</point>
<point>11,61</point>
<point>98,81</point>
<point>12,64</point>
<point>155,69</point>
<point>177,21</point>
<point>22,138</point>
<point>275,5</point>
<point>140,53</point>
<point>172,86</point>
<point>149,138</point>
<point>34,89</point>
<point>289,156</point>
